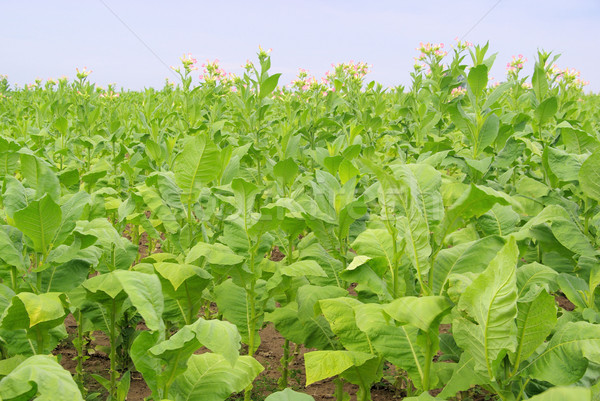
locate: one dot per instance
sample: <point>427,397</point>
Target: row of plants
<point>426,232</point>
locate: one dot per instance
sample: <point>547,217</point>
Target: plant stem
<point>113,350</point>
<point>339,389</point>
<point>80,350</point>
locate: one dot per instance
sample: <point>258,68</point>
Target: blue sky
<point>51,38</point>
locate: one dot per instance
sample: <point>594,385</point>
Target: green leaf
<point>478,79</point>
<point>40,375</point>
<point>232,300</point>
<point>40,177</point>
<point>324,364</point>
<point>488,133</point>
<point>567,355</point>
<point>500,220</point>
<point>210,377</point>
<point>289,395</point>
<point>539,82</point>
<point>27,310</point>
<point>469,257</point>
<point>303,268</point>
<point>398,344</point>
<point>178,273</point>
<point>589,176</point>
<point>268,85</point>
<point>195,166</point>
<point>546,110</point>
<point>9,251</point>
<point>216,254</point>
<point>473,203</point>
<point>564,394</point>
<point>339,312</point>
<point>286,170</point>
<point>421,312</point>
<point>535,321</point>
<point>486,327</point>
<point>40,221</point>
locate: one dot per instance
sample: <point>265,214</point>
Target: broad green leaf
<point>289,395</point>
<point>72,211</point>
<point>145,294</point>
<point>339,312</point>
<point>268,85</point>
<point>488,133</point>
<point>539,82</point>
<point>40,221</point>
<point>178,273</point>
<point>478,79</point>
<point>473,203</point>
<point>567,355</point>
<point>324,364</point>
<point>486,328</point>
<point>499,220</point>
<point>286,170</point>
<point>303,268</point>
<point>470,257</point>
<point>564,394</point>
<point>546,110</point>
<point>27,310</point>
<point>40,376</point>
<point>589,176</point>
<point>216,254</point>
<point>40,177</point>
<point>9,250</point>
<point>535,321</point>
<point>210,377</point>
<point>578,141</point>
<point>464,377</point>
<point>195,166</point>
<point>397,344</point>
<point>535,275</point>
<point>232,300</point>
<point>565,166</point>
<point>421,312</point>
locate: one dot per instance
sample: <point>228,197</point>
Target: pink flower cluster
<point>462,45</point>
<point>571,77</point>
<point>515,65</point>
<point>431,50</point>
<point>188,62</point>
<point>458,91</point>
<point>83,74</point>
<point>212,72</point>
<point>347,71</point>
<point>304,81</point>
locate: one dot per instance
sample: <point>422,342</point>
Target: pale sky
<point>47,39</point>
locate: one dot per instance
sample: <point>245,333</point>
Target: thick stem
<point>285,360</point>
<point>80,351</point>
<point>339,389</point>
<point>113,350</point>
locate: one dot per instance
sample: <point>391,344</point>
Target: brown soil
<point>563,302</point>
<point>268,354</point>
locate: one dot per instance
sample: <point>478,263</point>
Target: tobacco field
<point>437,241</point>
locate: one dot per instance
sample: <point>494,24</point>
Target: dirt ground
<point>268,354</point>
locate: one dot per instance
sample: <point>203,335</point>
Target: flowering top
<point>304,81</point>
<point>515,65</point>
<point>456,92</point>
<point>571,77</point>
<point>461,45</point>
<point>212,72</point>
<point>83,74</point>
<point>188,62</point>
<point>431,51</point>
